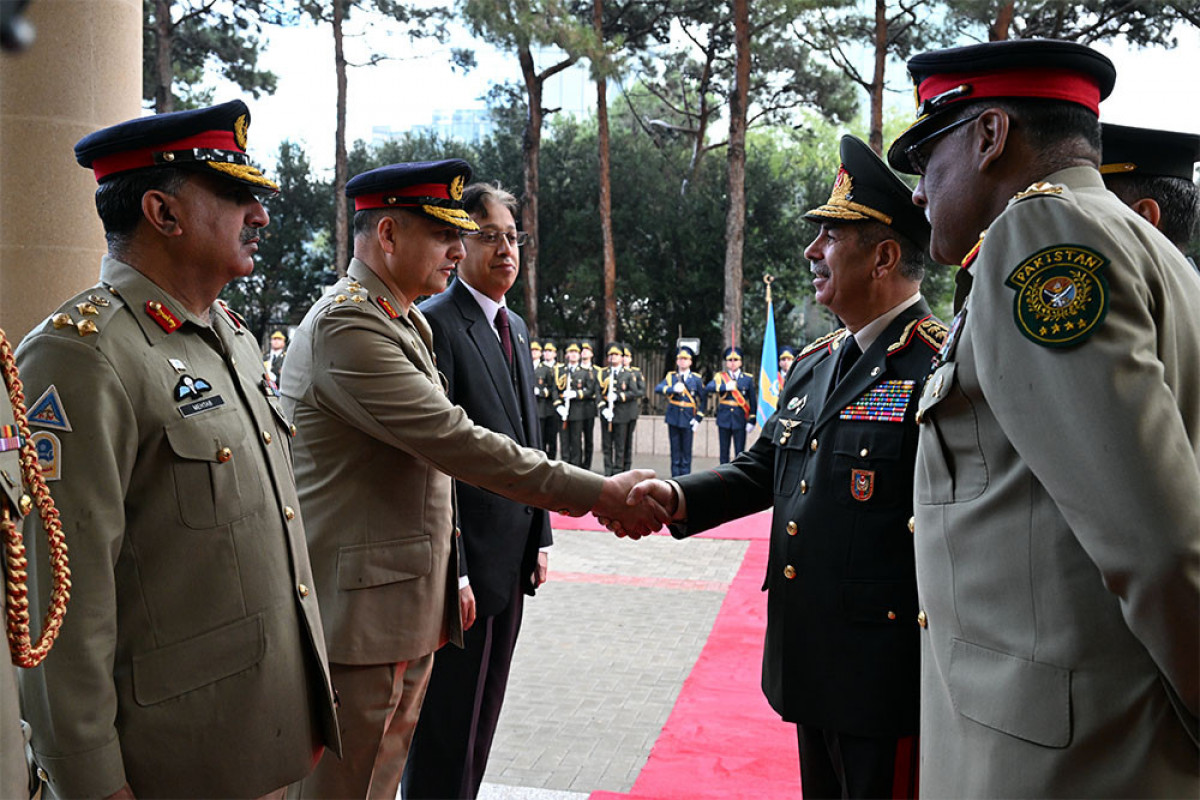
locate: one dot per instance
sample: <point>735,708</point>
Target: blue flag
<point>768,373</point>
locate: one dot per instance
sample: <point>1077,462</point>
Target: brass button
<point>292,428</point>
<point>791,528</point>
<point>233,362</point>
<point>224,454</point>
<point>267,436</point>
<point>813,445</point>
<point>26,504</point>
<point>920,416</point>
<point>43,776</point>
<point>789,572</point>
<point>303,590</point>
<point>289,512</point>
<point>803,487</point>
<point>862,453</point>
<point>875,372</point>
<point>891,615</point>
<point>912,524</point>
<point>922,620</point>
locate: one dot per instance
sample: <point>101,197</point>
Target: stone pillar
<point>83,72</point>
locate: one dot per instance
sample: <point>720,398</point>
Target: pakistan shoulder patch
<point>1062,295</point>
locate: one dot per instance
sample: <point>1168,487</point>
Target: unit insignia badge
<point>48,411</point>
<point>862,484</point>
<point>1062,295</point>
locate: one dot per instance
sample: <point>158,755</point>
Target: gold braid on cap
<point>840,206</point>
<point>24,652</point>
<point>244,172</point>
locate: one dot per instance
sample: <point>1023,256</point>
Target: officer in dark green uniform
<point>576,391</point>
<point>842,645</point>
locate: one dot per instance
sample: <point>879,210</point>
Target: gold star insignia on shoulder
<point>1041,187</point>
<point>358,298</point>
<point>86,327</point>
<point>87,309</point>
<point>99,300</point>
<point>341,298</point>
<point>62,320</point>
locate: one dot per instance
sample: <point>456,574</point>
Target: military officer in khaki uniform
<point>1057,489</point>
<point>193,662</point>
<point>377,447</point>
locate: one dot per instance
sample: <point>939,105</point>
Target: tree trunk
<point>610,257</point>
<point>341,222</point>
<point>164,100</point>
<point>530,151</point>
<point>735,220</point>
<point>876,88</point>
<point>1004,17</point>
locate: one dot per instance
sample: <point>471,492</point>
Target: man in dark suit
<point>483,350</point>
<point>836,461</point>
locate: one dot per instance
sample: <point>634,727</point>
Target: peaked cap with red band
<point>1047,69</point>
<point>432,189</point>
<point>209,140</point>
<point>1149,152</point>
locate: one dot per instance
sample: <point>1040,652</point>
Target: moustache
<point>819,269</point>
<point>247,234</point>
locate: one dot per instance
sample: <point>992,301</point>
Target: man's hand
<point>562,411</point>
<point>616,513</point>
<point>569,394</point>
<point>695,423</point>
<point>124,793</point>
<point>679,387</point>
<point>466,607</point>
<point>607,414</point>
<point>659,492</point>
<point>543,569</point>
<point>749,427</point>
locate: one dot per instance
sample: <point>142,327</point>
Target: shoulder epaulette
<point>927,329</point>
<point>821,344</point>
<point>1039,189</point>
<point>238,320</point>
<point>86,313</point>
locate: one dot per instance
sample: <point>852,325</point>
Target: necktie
<point>505,333</point>
<point>850,354</point>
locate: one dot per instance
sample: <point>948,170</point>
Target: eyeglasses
<point>492,238</point>
<point>918,152</point>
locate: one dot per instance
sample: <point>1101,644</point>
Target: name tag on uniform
<point>200,406</point>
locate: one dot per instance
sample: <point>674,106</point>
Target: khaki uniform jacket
<point>377,444</point>
<point>13,774</point>
<point>191,662</point>
<point>1058,512</point>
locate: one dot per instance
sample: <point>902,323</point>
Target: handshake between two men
<point>633,504</point>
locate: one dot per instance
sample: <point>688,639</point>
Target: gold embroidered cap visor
<point>1149,152</point>
<point>204,139</point>
<point>433,189</point>
<point>866,189</point>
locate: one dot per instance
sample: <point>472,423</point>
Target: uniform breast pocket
<point>867,465</point>
<point>216,480</point>
<point>950,465</point>
<point>790,436</point>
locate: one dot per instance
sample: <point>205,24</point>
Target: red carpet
<point>722,740</point>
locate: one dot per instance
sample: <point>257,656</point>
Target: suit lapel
<point>487,344</point>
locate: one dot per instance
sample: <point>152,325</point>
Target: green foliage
<point>204,34</point>
<point>1145,23</point>
<point>295,253</point>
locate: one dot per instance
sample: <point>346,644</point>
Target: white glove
<point>749,427</point>
<point>562,411</point>
<point>679,388</point>
<point>569,394</point>
<point>607,414</point>
<point>695,423</point>
<point>729,387</point>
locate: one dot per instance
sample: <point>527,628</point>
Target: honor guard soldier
<point>590,410</point>
<point>620,391</point>
<point>684,391</point>
<point>841,659</point>
<point>545,393</point>
<point>576,391</point>
<point>275,356</point>
<point>635,410</point>
<point>1057,526</point>
<point>1151,171</point>
<point>736,404</point>
<point>787,355</point>
<point>197,666</point>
